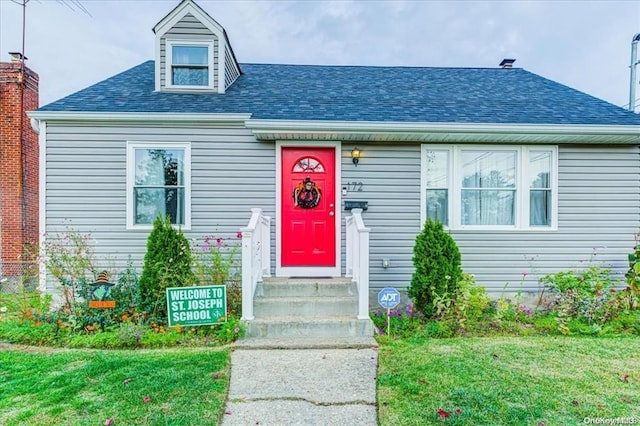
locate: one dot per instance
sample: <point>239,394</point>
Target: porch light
<point>355,156</point>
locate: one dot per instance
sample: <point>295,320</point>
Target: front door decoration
<point>306,194</point>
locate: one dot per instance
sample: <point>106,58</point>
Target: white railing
<point>256,258</point>
<point>357,261</point>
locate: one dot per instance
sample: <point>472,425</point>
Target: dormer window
<point>189,65</point>
<point>193,53</point>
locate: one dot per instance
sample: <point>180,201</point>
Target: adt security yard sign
<point>203,305</point>
<point>389,297</point>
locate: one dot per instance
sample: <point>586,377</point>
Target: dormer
<point>193,53</point>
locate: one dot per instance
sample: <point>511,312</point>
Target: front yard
<point>461,381</point>
<point>508,381</point>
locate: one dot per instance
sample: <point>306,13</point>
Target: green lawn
<point>87,387</point>
<point>508,381</point>
<point>476,381</point>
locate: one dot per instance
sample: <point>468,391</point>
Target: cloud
<point>585,45</point>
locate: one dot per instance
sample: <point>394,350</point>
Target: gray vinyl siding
<point>390,176</point>
<point>189,27</point>
<point>598,214</point>
<point>232,71</point>
<point>598,208</point>
<point>231,172</point>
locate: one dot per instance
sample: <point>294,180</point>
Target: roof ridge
<point>375,66</point>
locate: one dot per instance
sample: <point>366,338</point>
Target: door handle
<point>331,213</point>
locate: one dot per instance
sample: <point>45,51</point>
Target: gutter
<point>138,117</point>
<point>448,132</point>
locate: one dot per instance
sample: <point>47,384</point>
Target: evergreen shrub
<point>436,259</point>
<point>167,263</point>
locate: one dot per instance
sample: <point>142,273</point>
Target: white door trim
<point>308,271</point>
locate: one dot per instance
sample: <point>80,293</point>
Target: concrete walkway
<point>287,384</point>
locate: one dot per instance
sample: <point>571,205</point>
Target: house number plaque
<point>354,186</point>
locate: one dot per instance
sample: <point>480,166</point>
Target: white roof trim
<point>144,117</point>
<point>443,132</point>
<point>180,12</point>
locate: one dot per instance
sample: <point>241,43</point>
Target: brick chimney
<point>18,165</point>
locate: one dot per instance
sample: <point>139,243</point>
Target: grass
<point>475,381</point>
<point>40,386</point>
<point>508,380</point>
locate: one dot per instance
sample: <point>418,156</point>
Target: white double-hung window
<point>158,183</point>
<point>490,187</point>
<point>189,64</point>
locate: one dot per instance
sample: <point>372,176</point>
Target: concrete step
<point>294,327</point>
<point>305,312</point>
<point>312,307</point>
<point>302,287</point>
<point>306,343</point>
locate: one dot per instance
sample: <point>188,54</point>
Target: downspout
<point>634,62</point>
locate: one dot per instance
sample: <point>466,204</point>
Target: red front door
<point>308,207</point>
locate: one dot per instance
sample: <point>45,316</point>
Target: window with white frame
<point>158,183</point>
<point>490,187</point>
<point>189,64</point>
<point>437,182</point>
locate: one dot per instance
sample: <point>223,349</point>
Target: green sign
<point>196,305</point>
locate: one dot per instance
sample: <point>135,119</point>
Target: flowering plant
<point>215,260</point>
<point>70,258</point>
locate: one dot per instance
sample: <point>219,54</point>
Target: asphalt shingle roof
<point>361,93</point>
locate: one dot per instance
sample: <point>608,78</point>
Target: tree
<point>167,263</point>
<point>436,259</point>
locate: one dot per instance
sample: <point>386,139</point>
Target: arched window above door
<point>308,165</point>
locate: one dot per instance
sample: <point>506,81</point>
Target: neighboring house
<point>19,168</point>
<point>530,176</point>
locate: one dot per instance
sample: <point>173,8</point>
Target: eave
<point>276,130</point>
<point>272,130</point>
<point>140,118</point>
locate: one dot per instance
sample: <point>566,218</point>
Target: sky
<point>582,44</point>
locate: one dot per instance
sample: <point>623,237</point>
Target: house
<point>19,170</point>
<point>342,164</point>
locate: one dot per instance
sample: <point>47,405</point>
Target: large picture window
<point>158,183</point>
<point>189,64</point>
<point>492,187</point>
<point>488,190</point>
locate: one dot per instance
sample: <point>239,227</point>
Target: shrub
<point>585,282</point>
<point>167,263</point>
<point>130,333</point>
<point>633,275</point>
<point>216,262</point>
<point>70,259</point>
<point>585,296</point>
<point>470,302</point>
<point>24,305</point>
<point>436,259</point>
<point>125,294</point>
